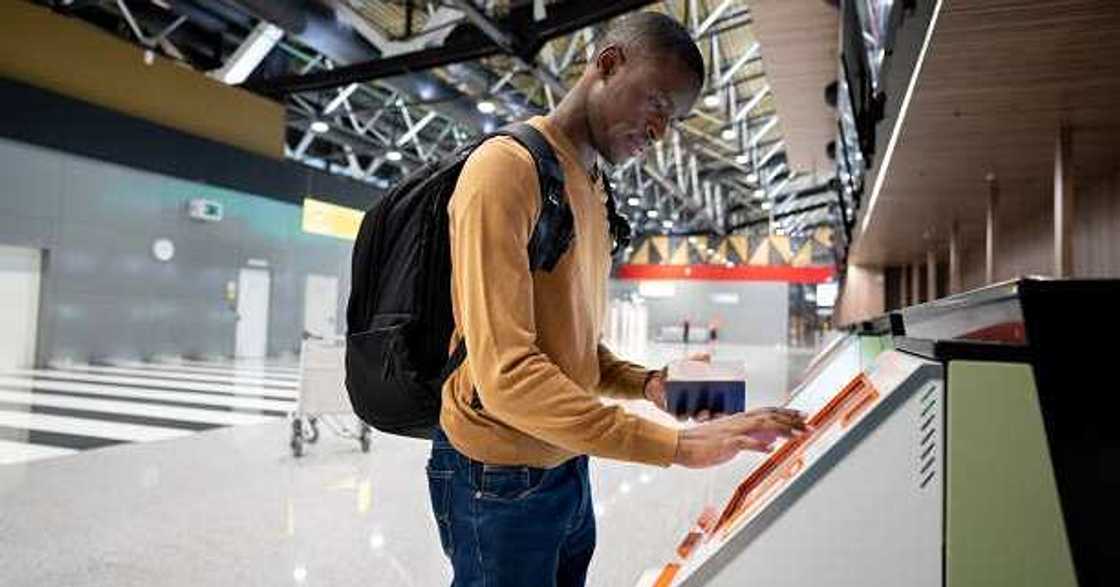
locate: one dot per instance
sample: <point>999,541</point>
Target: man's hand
<point>655,389</point>
<point>719,441</point>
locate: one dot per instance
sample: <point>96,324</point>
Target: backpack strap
<point>453,362</point>
<point>555,227</point>
<point>619,227</point>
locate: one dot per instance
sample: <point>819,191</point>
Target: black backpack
<point>399,319</point>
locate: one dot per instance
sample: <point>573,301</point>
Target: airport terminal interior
<point>899,217</point>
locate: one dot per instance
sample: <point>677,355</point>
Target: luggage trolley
<point>322,394</point>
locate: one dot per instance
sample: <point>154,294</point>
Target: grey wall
<point>760,318</point>
<point>105,295</point>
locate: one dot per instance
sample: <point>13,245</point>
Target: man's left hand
<point>655,389</point>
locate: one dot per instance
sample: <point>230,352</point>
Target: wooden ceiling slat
<point>800,52</point>
<point>999,79</point>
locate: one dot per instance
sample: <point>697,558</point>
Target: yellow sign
<point>320,217</point>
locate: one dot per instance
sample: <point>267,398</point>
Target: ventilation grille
<point>927,436</point>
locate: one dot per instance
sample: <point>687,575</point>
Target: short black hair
<point>659,33</point>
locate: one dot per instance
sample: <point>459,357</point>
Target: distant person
<point>508,471</point>
<point>686,328</point>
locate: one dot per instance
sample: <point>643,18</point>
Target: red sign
<point>783,273</point>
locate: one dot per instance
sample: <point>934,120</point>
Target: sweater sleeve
<point>492,213</point>
<point>619,378</point>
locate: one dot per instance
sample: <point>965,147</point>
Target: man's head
<point>646,72</point>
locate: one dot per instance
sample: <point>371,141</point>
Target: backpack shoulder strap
<point>554,228</point>
<point>549,171</point>
<point>619,227</point>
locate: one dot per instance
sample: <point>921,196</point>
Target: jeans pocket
<point>509,483</point>
<point>439,488</point>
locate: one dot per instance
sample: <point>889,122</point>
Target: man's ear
<point>609,60</point>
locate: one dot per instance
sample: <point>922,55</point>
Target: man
<point>508,472</point>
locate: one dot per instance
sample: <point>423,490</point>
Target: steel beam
<point>767,218</point>
<point>752,104</point>
<point>771,153</point>
<point>762,133</point>
<point>739,63</point>
<point>564,19</point>
<point>415,129</point>
<point>713,16</point>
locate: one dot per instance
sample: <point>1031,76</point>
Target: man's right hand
<point>716,442</point>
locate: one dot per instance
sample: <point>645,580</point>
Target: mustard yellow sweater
<point>534,354</point>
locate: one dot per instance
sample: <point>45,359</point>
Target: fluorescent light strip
<point>881,176</point>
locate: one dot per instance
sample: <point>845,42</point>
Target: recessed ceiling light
<point>487,107</point>
<point>728,134</point>
<point>652,213</point>
<point>759,194</point>
<point>712,100</point>
<point>320,127</point>
<point>394,156</point>
<point>752,177</point>
<point>667,223</point>
<point>744,159</point>
<point>634,201</point>
<point>766,205</point>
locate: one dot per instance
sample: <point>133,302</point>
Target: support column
<point>931,274</point>
<point>904,286</point>
<point>955,278</point>
<point>993,211</point>
<point>915,284</point>
<point>1063,203</point>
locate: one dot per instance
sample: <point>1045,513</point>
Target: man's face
<point>635,98</point>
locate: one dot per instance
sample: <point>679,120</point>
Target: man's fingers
<point>783,426</point>
<point>794,422</point>
<point>703,416</point>
<point>788,412</point>
<point>704,357</point>
<point>752,444</point>
<point>791,418</point>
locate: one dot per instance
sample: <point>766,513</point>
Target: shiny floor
<point>226,503</point>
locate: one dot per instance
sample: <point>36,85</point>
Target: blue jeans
<point>505,526</point>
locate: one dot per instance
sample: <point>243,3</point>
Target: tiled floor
<point>58,411</point>
<point>225,503</point>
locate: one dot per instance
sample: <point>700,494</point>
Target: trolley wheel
<point>364,439</point>
<point>314,423</point>
<point>297,437</point>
